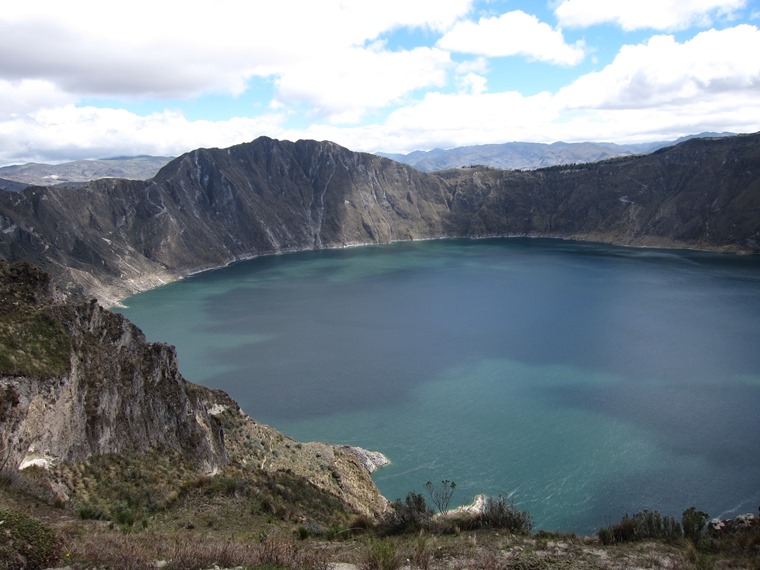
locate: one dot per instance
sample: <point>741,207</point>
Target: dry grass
<point>120,551</point>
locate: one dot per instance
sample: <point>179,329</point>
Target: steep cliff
<point>211,207</point>
<point>702,194</point>
<point>78,382</point>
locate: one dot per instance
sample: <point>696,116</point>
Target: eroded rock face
<point>78,381</point>
<point>211,207</point>
<point>114,391</point>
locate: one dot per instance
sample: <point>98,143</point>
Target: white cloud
<point>639,14</point>
<point>28,95</point>
<point>174,49</point>
<point>658,90</point>
<point>70,132</point>
<point>477,65</point>
<point>356,81</point>
<point>663,71</point>
<point>473,83</point>
<point>512,33</point>
<point>472,118</point>
<point>330,65</point>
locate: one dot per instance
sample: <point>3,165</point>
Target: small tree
<point>693,524</point>
<point>441,494</point>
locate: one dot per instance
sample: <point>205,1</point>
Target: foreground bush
<point>644,525</point>
<point>500,513</point>
<point>410,515</point>
<point>26,542</point>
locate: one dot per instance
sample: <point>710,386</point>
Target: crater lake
<point>582,381</point>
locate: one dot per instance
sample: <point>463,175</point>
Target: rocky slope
<point>77,381</point>
<point>78,171</point>
<point>211,207</point>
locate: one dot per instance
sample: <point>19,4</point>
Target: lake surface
<point>583,381</point>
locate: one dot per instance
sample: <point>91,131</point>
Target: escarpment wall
<point>115,392</point>
<point>211,207</point>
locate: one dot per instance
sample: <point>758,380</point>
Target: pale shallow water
<point>585,381</point>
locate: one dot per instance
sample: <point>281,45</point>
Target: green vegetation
<point>26,542</point>
<point>499,513</point>
<point>413,515</point>
<point>381,555</point>
<point>130,490</point>
<point>693,524</point>
<point>737,539</point>
<point>644,525</point>
<point>261,521</point>
<point>33,343</point>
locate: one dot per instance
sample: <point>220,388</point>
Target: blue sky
<point>82,79</point>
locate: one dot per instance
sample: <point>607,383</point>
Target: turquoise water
<point>584,381</point>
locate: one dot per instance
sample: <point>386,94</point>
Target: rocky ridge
<point>83,382</point>
<point>211,207</point>
<point>79,171</point>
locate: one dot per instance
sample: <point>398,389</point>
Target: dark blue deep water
<point>584,381</point>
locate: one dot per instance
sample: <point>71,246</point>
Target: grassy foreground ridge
<point>258,521</point>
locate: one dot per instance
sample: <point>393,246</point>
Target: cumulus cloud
<point>512,33</point>
<point>184,49</point>
<point>472,118</point>
<point>663,71</point>
<point>71,132</point>
<point>361,80</point>
<point>331,67</point>
<point>658,90</point>
<point>640,14</point>
<point>28,95</point>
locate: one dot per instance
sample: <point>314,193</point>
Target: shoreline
<point>370,460</point>
<point>180,275</point>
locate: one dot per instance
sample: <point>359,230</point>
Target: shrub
<point>413,514</point>
<point>26,542</point>
<point>380,555</point>
<point>528,561</point>
<point>643,525</point>
<point>421,555</point>
<point>606,536</point>
<point>92,513</point>
<point>361,523</point>
<point>693,524</point>
<point>500,513</point>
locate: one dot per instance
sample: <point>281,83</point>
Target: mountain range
<point>512,156</point>
<point>529,156</point>
<point>80,171</point>
<point>211,207</point>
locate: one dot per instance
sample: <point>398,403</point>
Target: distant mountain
<point>131,168</point>
<point>211,207</point>
<point>528,156</point>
